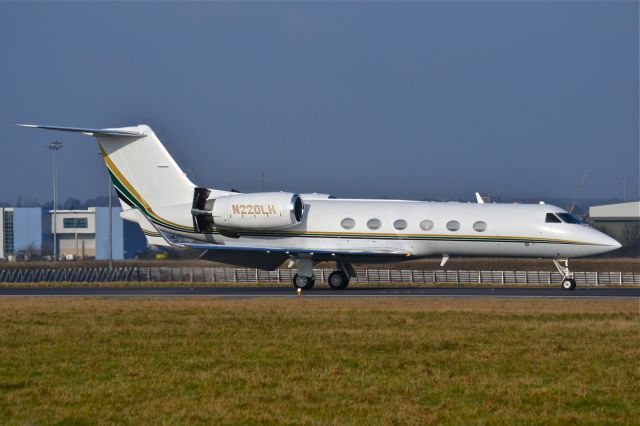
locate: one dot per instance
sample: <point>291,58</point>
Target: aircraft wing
<point>295,251</point>
<point>270,258</point>
<point>256,255</point>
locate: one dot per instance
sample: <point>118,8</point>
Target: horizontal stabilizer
<point>91,132</point>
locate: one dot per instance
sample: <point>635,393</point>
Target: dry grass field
<point>301,361</point>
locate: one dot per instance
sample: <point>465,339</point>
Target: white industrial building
<point>75,233</point>
<point>83,234</point>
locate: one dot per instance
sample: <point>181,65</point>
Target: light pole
<point>624,189</point>
<point>110,224</point>
<point>55,147</point>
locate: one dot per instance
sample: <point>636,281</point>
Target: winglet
<point>479,198</point>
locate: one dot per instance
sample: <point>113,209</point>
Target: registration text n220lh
<point>253,209</point>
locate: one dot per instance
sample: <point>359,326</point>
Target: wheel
<point>568,284</point>
<point>338,280</point>
<point>303,283</point>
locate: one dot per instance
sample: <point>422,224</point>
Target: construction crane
<point>575,198</point>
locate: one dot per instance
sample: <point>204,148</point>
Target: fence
<point>243,275</point>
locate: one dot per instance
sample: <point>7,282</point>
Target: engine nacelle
<point>264,210</point>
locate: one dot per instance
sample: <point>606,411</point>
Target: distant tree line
<point>69,204</point>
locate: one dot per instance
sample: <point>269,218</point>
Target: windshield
<point>552,218</point>
<point>569,218</point>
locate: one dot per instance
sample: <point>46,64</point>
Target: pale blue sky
<point>357,99</point>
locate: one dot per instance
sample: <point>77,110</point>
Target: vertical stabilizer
<point>143,171</point>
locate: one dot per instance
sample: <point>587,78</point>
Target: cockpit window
<point>569,218</point>
<point>552,218</point>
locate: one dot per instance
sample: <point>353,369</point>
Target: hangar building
<point>621,221</point>
<point>20,230</point>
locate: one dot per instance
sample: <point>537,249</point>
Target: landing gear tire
<point>303,283</point>
<point>568,284</point>
<point>338,280</point>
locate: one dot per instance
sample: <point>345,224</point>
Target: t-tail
<point>145,176</point>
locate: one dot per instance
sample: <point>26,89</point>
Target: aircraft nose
<point>615,244</point>
<point>607,241</point>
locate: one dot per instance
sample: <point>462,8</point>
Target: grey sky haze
<point>407,99</point>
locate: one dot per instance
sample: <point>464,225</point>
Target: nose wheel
<point>568,282</point>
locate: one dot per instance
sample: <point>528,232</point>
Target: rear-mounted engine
<point>267,210</point>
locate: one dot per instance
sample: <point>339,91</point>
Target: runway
<point>322,292</point>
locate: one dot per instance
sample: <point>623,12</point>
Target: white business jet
<point>263,230</point>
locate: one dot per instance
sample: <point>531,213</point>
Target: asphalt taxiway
<point>323,292</point>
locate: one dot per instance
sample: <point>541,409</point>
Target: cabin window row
<point>401,224</point>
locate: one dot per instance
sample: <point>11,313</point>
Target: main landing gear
<point>304,283</point>
<point>304,279</point>
<point>568,282</point>
<point>338,280</point>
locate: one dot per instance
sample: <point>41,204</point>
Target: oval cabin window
<point>348,223</point>
<point>453,225</point>
<point>426,225</point>
<point>480,226</point>
<point>400,224</point>
<point>374,224</point>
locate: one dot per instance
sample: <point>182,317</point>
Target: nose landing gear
<point>568,282</point>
